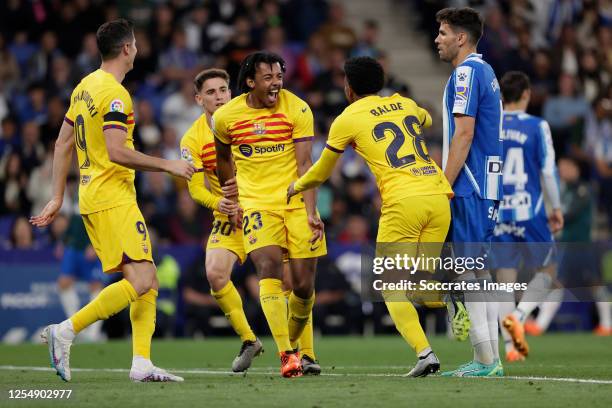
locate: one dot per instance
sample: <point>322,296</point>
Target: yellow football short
<point>416,227</point>
<point>119,235</point>
<point>223,237</point>
<point>423,220</point>
<point>285,228</point>
<point>415,219</point>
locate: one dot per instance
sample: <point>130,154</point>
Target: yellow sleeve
<point>424,117</point>
<point>69,118</point>
<point>197,188</point>
<point>340,134</point>
<point>319,172</point>
<point>219,129</point>
<point>303,122</point>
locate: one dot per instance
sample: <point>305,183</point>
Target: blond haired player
<point>225,245</point>
<point>269,132</point>
<point>100,122</point>
<point>386,132</point>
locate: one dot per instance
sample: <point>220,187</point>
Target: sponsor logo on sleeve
<point>116,105</point>
<point>462,86</point>
<point>186,155</point>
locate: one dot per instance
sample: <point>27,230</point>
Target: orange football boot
<point>532,328</point>
<point>515,328</point>
<point>602,331</point>
<point>290,365</point>
<point>513,356</point>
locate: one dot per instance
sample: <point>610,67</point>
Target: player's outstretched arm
<point>119,154</point>
<point>460,146</point>
<point>62,157</point>
<point>303,156</point>
<point>316,175</point>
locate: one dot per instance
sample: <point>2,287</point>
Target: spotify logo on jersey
<point>246,150</point>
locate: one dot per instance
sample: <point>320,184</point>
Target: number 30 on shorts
<point>256,222</point>
<point>224,227</point>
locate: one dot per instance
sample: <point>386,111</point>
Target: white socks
<point>70,301</point>
<point>602,303</point>
<point>480,336</point>
<point>537,291</point>
<point>548,308</point>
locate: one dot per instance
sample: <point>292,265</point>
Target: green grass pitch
<point>563,371</point>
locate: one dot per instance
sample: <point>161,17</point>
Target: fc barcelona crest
<point>259,128</point>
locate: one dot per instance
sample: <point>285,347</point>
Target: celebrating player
<point>269,131</point>
<point>224,245</point>
<point>378,127</point>
<point>528,156</point>
<point>472,163</point>
<point>100,121</point>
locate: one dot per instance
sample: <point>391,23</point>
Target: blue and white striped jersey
<point>528,157</point>
<point>473,90</point>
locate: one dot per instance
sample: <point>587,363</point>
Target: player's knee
<point>217,278</point>
<point>269,268</point>
<point>144,279</point>
<point>303,288</point>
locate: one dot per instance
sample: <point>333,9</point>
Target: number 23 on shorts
<point>252,222</point>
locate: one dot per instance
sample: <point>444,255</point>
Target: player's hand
<point>227,206</point>
<point>48,214</point>
<point>236,220</point>
<point>555,221</point>
<point>290,192</point>
<point>317,227</point>
<point>230,189</point>
<point>181,168</point>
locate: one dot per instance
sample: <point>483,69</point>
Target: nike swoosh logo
<point>304,110</point>
<point>312,249</point>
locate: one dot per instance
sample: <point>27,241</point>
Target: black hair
<point>207,74</point>
<point>463,18</point>
<point>112,35</point>
<point>249,65</point>
<point>513,84</point>
<point>365,75</point>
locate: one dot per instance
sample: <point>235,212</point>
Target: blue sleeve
<point>467,90</point>
<point>548,168</point>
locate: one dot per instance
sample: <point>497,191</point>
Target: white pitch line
<point>252,372</point>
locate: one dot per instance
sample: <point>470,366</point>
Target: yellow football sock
<point>142,315</point>
<point>406,320</point>
<point>230,302</point>
<point>275,309</point>
<point>306,341</point>
<point>111,300</point>
<point>299,312</point>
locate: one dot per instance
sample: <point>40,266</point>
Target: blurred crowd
<point>47,46</point>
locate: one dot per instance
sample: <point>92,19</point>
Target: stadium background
<point>47,46</point>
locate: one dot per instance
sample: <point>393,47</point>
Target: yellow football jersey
<point>262,143</point>
<point>99,102</point>
<point>198,147</point>
<point>386,132</point>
